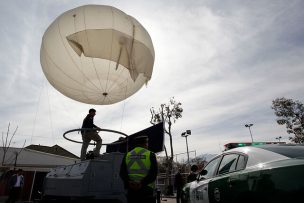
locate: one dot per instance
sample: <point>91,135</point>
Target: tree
<point>168,113</point>
<point>6,144</point>
<point>291,114</point>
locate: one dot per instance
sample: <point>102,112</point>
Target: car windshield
<point>291,151</point>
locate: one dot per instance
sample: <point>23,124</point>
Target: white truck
<point>97,180</point>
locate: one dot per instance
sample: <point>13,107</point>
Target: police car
<point>265,173</point>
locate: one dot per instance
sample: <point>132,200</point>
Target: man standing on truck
<point>90,133</point>
<point>138,172</point>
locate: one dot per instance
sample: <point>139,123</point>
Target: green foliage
<point>167,113</point>
<point>291,114</point>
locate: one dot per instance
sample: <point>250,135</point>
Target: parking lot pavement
<point>168,200</point>
<point>163,200</point>
<point>2,199</point>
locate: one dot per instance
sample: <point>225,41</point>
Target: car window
<point>241,164</point>
<point>211,167</point>
<point>228,163</point>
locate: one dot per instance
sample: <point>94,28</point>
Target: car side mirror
<point>201,175</point>
<point>203,172</point>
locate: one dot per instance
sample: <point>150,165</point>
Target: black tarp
<point>156,140</point>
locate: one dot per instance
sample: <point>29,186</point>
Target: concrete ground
<point>163,200</point>
<point>2,199</point>
<point>168,200</point>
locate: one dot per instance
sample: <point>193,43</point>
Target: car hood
<point>277,164</point>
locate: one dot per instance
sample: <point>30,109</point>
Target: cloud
<point>224,60</point>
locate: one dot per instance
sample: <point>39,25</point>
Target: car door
<point>228,181</point>
<point>199,188</point>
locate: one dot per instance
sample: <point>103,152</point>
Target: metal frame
<point>106,130</point>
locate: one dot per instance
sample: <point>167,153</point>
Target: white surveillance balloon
<point>97,54</point>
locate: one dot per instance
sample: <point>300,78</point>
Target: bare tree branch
<point>7,143</point>
<point>7,134</point>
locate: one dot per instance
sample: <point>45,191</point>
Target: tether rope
<point>36,113</point>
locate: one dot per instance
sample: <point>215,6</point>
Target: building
<point>56,150</point>
<point>36,161</point>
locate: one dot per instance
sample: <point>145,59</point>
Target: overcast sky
<point>225,61</point>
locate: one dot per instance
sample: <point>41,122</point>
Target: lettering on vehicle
<point>200,193</point>
<point>217,195</point>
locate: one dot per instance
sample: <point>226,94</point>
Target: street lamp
<point>279,138</point>
<point>248,126</point>
<point>186,134</point>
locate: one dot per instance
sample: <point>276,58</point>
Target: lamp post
<point>279,138</point>
<point>186,134</point>
<point>248,126</point>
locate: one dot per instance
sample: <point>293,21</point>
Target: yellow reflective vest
<point>138,164</point>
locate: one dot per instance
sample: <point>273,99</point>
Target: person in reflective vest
<point>138,172</point>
